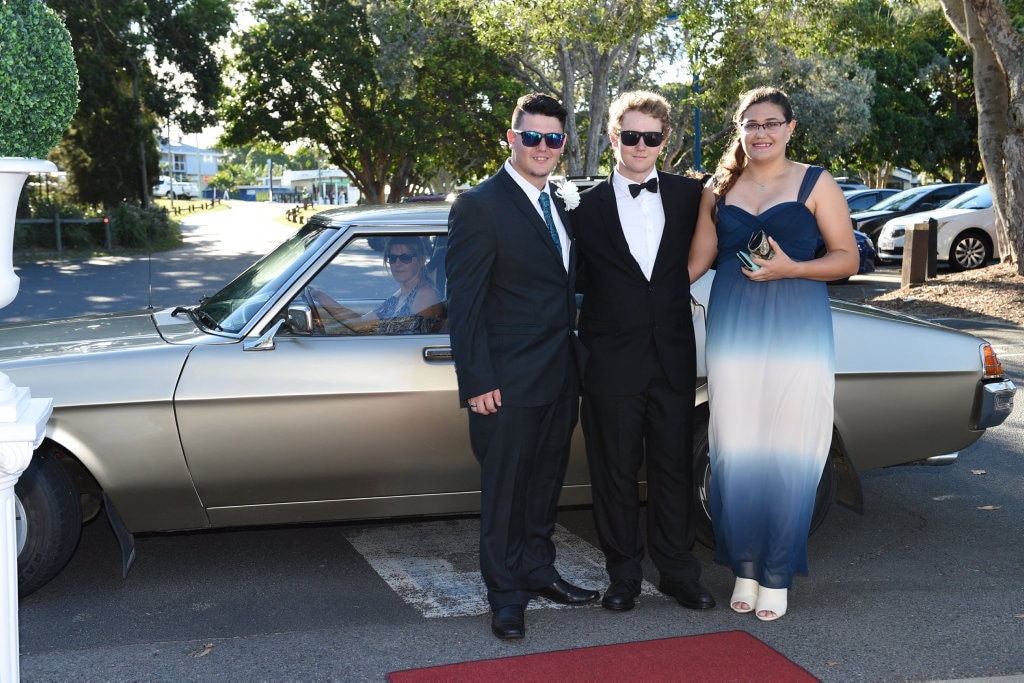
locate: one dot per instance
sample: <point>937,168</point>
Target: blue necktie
<point>545,205</point>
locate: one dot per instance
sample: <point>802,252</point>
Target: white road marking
<point>434,566</point>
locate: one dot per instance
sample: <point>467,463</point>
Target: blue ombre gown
<point>771,377</point>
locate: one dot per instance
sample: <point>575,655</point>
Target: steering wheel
<point>324,322</point>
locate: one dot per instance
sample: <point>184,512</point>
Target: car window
<point>978,198</point>
<point>863,201</point>
<point>946,193</point>
<point>900,200</point>
<point>379,285</point>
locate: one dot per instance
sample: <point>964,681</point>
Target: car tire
<point>971,249</point>
<point>170,194</point>
<point>48,520</point>
<point>823,497</point>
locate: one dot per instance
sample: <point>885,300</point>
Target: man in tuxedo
<point>633,232</point>
<point>511,269</point>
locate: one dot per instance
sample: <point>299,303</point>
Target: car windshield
<point>978,198</point>
<point>230,309</point>
<point>900,200</point>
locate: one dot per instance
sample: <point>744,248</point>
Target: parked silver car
<point>257,407</point>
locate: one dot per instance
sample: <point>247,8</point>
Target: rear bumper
<point>993,404</point>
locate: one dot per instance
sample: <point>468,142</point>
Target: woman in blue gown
<point>769,350</point>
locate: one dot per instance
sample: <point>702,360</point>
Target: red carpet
<point>728,656</point>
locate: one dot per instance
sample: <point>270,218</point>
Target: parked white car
<point>966,231</point>
<point>175,189</point>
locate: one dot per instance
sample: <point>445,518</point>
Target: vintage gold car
<point>257,407</point>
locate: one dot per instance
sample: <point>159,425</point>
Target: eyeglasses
<point>404,258</point>
<point>532,138</point>
<point>768,126</point>
<point>631,137</point>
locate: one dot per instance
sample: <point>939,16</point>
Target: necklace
<point>764,187</point>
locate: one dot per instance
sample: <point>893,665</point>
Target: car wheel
<point>823,497</point>
<point>702,481</point>
<point>48,520</point>
<point>170,194</point>
<point>969,250</point>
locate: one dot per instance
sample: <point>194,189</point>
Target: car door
<point>327,424</point>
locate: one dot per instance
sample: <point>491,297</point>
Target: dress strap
<point>810,178</point>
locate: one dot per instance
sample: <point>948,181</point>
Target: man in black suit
<point>511,269</point>
<point>633,231</point>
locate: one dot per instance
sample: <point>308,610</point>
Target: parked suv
<point>175,189</point>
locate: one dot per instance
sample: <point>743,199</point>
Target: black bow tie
<point>652,185</point>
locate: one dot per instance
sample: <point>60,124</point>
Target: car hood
<point>868,215</point>
<point>79,335</point>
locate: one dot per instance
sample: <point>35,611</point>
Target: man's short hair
<point>538,103</point>
<point>643,101</point>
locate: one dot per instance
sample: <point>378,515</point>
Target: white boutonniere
<point>570,194</point>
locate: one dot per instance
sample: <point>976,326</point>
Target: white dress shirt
<point>642,219</point>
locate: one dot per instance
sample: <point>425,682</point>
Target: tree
<point>574,50</point>
<point>391,93</point>
<point>140,62</point>
<point>998,48</point>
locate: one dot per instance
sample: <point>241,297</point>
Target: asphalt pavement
<point>926,585</point>
<point>218,245</point>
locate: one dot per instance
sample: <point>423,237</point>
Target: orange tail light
<point>993,368</point>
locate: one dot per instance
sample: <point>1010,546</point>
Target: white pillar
<point>22,427</point>
<point>22,420</point>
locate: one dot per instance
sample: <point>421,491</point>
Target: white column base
<point>22,428</point>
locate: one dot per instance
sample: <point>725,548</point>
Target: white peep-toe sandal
<point>744,592</point>
<point>771,603</point>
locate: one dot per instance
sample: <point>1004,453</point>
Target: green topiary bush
<point>38,79</point>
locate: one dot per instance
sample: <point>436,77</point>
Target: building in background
<point>189,163</point>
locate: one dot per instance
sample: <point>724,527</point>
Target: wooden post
<point>915,255</point>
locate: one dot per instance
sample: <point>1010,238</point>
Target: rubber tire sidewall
<point>53,517</point>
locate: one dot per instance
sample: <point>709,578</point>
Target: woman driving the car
<point>416,307</point>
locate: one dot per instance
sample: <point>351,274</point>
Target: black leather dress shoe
<point>508,623</point>
<point>688,593</point>
<point>620,595</point>
<point>565,593</point>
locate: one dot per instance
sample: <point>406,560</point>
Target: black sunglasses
<point>404,258</point>
<point>532,138</point>
<point>631,137</point>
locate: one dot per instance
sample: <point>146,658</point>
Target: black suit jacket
<point>511,303</point>
<point>624,317</point>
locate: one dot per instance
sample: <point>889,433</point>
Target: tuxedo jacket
<point>511,303</point>
<point>625,317</point>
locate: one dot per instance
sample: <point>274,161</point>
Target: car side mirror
<point>300,318</point>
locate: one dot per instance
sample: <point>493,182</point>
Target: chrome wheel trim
<point>970,253</point>
<point>20,524</point>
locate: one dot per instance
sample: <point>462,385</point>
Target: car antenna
<point>149,262</point>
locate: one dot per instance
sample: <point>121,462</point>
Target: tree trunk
<point>1008,46</point>
<point>574,166</point>
<point>998,72</point>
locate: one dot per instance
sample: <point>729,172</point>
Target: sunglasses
<point>631,137</point>
<point>404,258</point>
<point>532,138</point>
